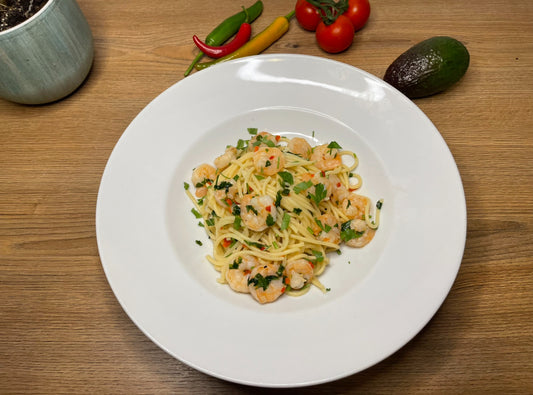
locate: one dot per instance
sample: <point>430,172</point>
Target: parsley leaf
<point>261,282</point>
<point>325,227</point>
<point>320,193</point>
<point>270,220</point>
<point>223,185</point>
<point>242,144</point>
<point>347,233</point>
<point>278,199</point>
<point>196,213</point>
<point>286,177</point>
<point>302,186</point>
<point>252,131</point>
<point>334,144</point>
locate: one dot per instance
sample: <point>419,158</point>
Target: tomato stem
<point>329,10</point>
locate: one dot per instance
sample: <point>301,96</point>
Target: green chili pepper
<point>228,28</point>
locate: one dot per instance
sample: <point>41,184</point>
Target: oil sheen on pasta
<point>274,207</point>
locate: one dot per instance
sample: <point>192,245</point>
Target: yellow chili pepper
<point>258,43</point>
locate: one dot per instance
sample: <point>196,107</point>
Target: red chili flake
<point>278,137</point>
<point>226,242</point>
<point>272,157</point>
<point>268,208</point>
<point>229,202</point>
<point>256,148</point>
<point>283,289</point>
<point>339,185</point>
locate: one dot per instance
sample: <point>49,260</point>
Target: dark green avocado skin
<point>428,67</point>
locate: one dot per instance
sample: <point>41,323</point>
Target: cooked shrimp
<point>255,211</point>
<point>265,283</point>
<point>319,178</point>
<point>326,158</point>
<point>354,206</point>
<point>203,176</point>
<point>364,234</point>
<point>239,271</point>
<point>328,228</point>
<point>339,191</point>
<point>262,139</point>
<point>299,146</point>
<point>269,161</point>
<point>299,272</point>
<point>225,159</point>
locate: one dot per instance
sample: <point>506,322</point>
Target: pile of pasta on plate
<point>274,207</point>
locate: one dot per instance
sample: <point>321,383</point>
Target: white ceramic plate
<point>381,296</point>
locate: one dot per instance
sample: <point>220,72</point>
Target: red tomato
<point>307,15</point>
<point>358,12</point>
<point>336,37</point>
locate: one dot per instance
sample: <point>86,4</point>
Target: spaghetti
<point>274,207</point>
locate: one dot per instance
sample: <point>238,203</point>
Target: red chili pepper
<point>226,242</point>
<point>242,36</point>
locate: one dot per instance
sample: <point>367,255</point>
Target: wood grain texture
<point>63,331</point>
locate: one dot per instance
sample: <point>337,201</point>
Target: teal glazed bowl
<point>46,57</point>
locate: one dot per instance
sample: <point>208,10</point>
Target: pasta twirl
<point>274,207</point>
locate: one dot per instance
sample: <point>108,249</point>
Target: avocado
<point>428,67</point>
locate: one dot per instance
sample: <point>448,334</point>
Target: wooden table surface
<point>61,327</point>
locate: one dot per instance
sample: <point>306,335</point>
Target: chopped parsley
<point>335,145</point>
<point>347,233</point>
<point>319,257</point>
<point>278,199</point>
<point>285,221</point>
<point>196,213</point>
<point>320,193</point>
<point>261,282</point>
<point>379,204</point>
<point>286,177</point>
<point>186,186</point>
<point>237,223</point>
<point>325,227</point>
<point>302,186</point>
<point>242,144</point>
<point>255,244</point>
<point>251,208</point>
<point>199,242</point>
<point>270,220</point>
<point>252,131</point>
<point>226,185</point>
